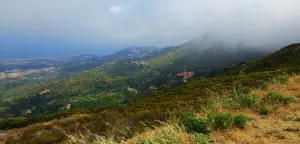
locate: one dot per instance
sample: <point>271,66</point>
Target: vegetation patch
<point>220,121</point>
<point>275,97</point>
<point>214,121</point>
<point>282,79</point>
<point>161,106</point>
<point>10,123</point>
<point>90,139</point>
<point>201,138</point>
<point>291,129</point>
<point>193,124</point>
<point>264,110</point>
<point>265,86</point>
<point>240,120</point>
<point>168,134</point>
<point>246,99</point>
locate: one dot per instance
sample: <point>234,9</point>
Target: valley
<point>138,89</point>
<point>19,73</point>
<point>128,75</point>
<point>149,72</point>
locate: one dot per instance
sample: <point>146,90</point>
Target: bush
<point>281,79</point>
<point>297,119</point>
<point>192,124</point>
<point>244,90</point>
<point>199,125</point>
<point>263,110</point>
<point>201,139</point>
<point>286,100</point>
<point>265,86</point>
<point>240,120</point>
<point>187,114</point>
<point>9,123</point>
<point>247,100</point>
<point>291,129</point>
<point>275,97</point>
<point>220,121</point>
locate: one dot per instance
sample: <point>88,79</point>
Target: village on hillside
<point>19,73</point>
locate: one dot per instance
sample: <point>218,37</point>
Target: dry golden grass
<point>272,128</point>
<point>173,130</point>
<point>291,88</point>
<point>20,131</point>
<point>166,134</point>
<point>84,139</point>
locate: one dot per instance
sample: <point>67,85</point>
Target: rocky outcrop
<point>44,92</point>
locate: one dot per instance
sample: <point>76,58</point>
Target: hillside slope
<point>223,94</point>
<point>269,98</point>
<point>122,81</point>
<point>280,125</point>
<point>287,57</point>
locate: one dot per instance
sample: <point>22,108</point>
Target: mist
<point>107,25</point>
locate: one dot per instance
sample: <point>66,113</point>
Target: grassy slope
<point>202,96</point>
<point>279,126</point>
<point>197,95</point>
<point>272,128</point>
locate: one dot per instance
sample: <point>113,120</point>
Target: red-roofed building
<point>185,75</point>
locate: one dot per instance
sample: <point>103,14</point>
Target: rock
<point>47,91</point>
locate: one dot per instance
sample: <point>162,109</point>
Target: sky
<point>37,28</point>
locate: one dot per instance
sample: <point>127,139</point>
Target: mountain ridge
<point>214,94</point>
<point>285,58</point>
<point>126,79</point>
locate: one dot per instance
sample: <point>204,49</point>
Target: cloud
<point>115,9</point>
<point>153,22</point>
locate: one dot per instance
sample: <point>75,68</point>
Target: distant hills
<point>136,96</point>
<point>125,76</point>
<point>126,54</point>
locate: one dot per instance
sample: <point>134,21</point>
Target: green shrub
<point>297,119</point>
<point>244,90</point>
<point>199,125</point>
<point>247,100</point>
<point>290,129</point>
<point>220,121</point>
<point>187,114</point>
<point>263,110</point>
<point>244,98</point>
<point>265,86</point>
<point>9,123</point>
<point>201,138</point>
<point>281,79</point>
<point>145,141</point>
<point>275,97</point>
<point>240,120</point>
<point>192,124</point>
<point>286,100</point>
